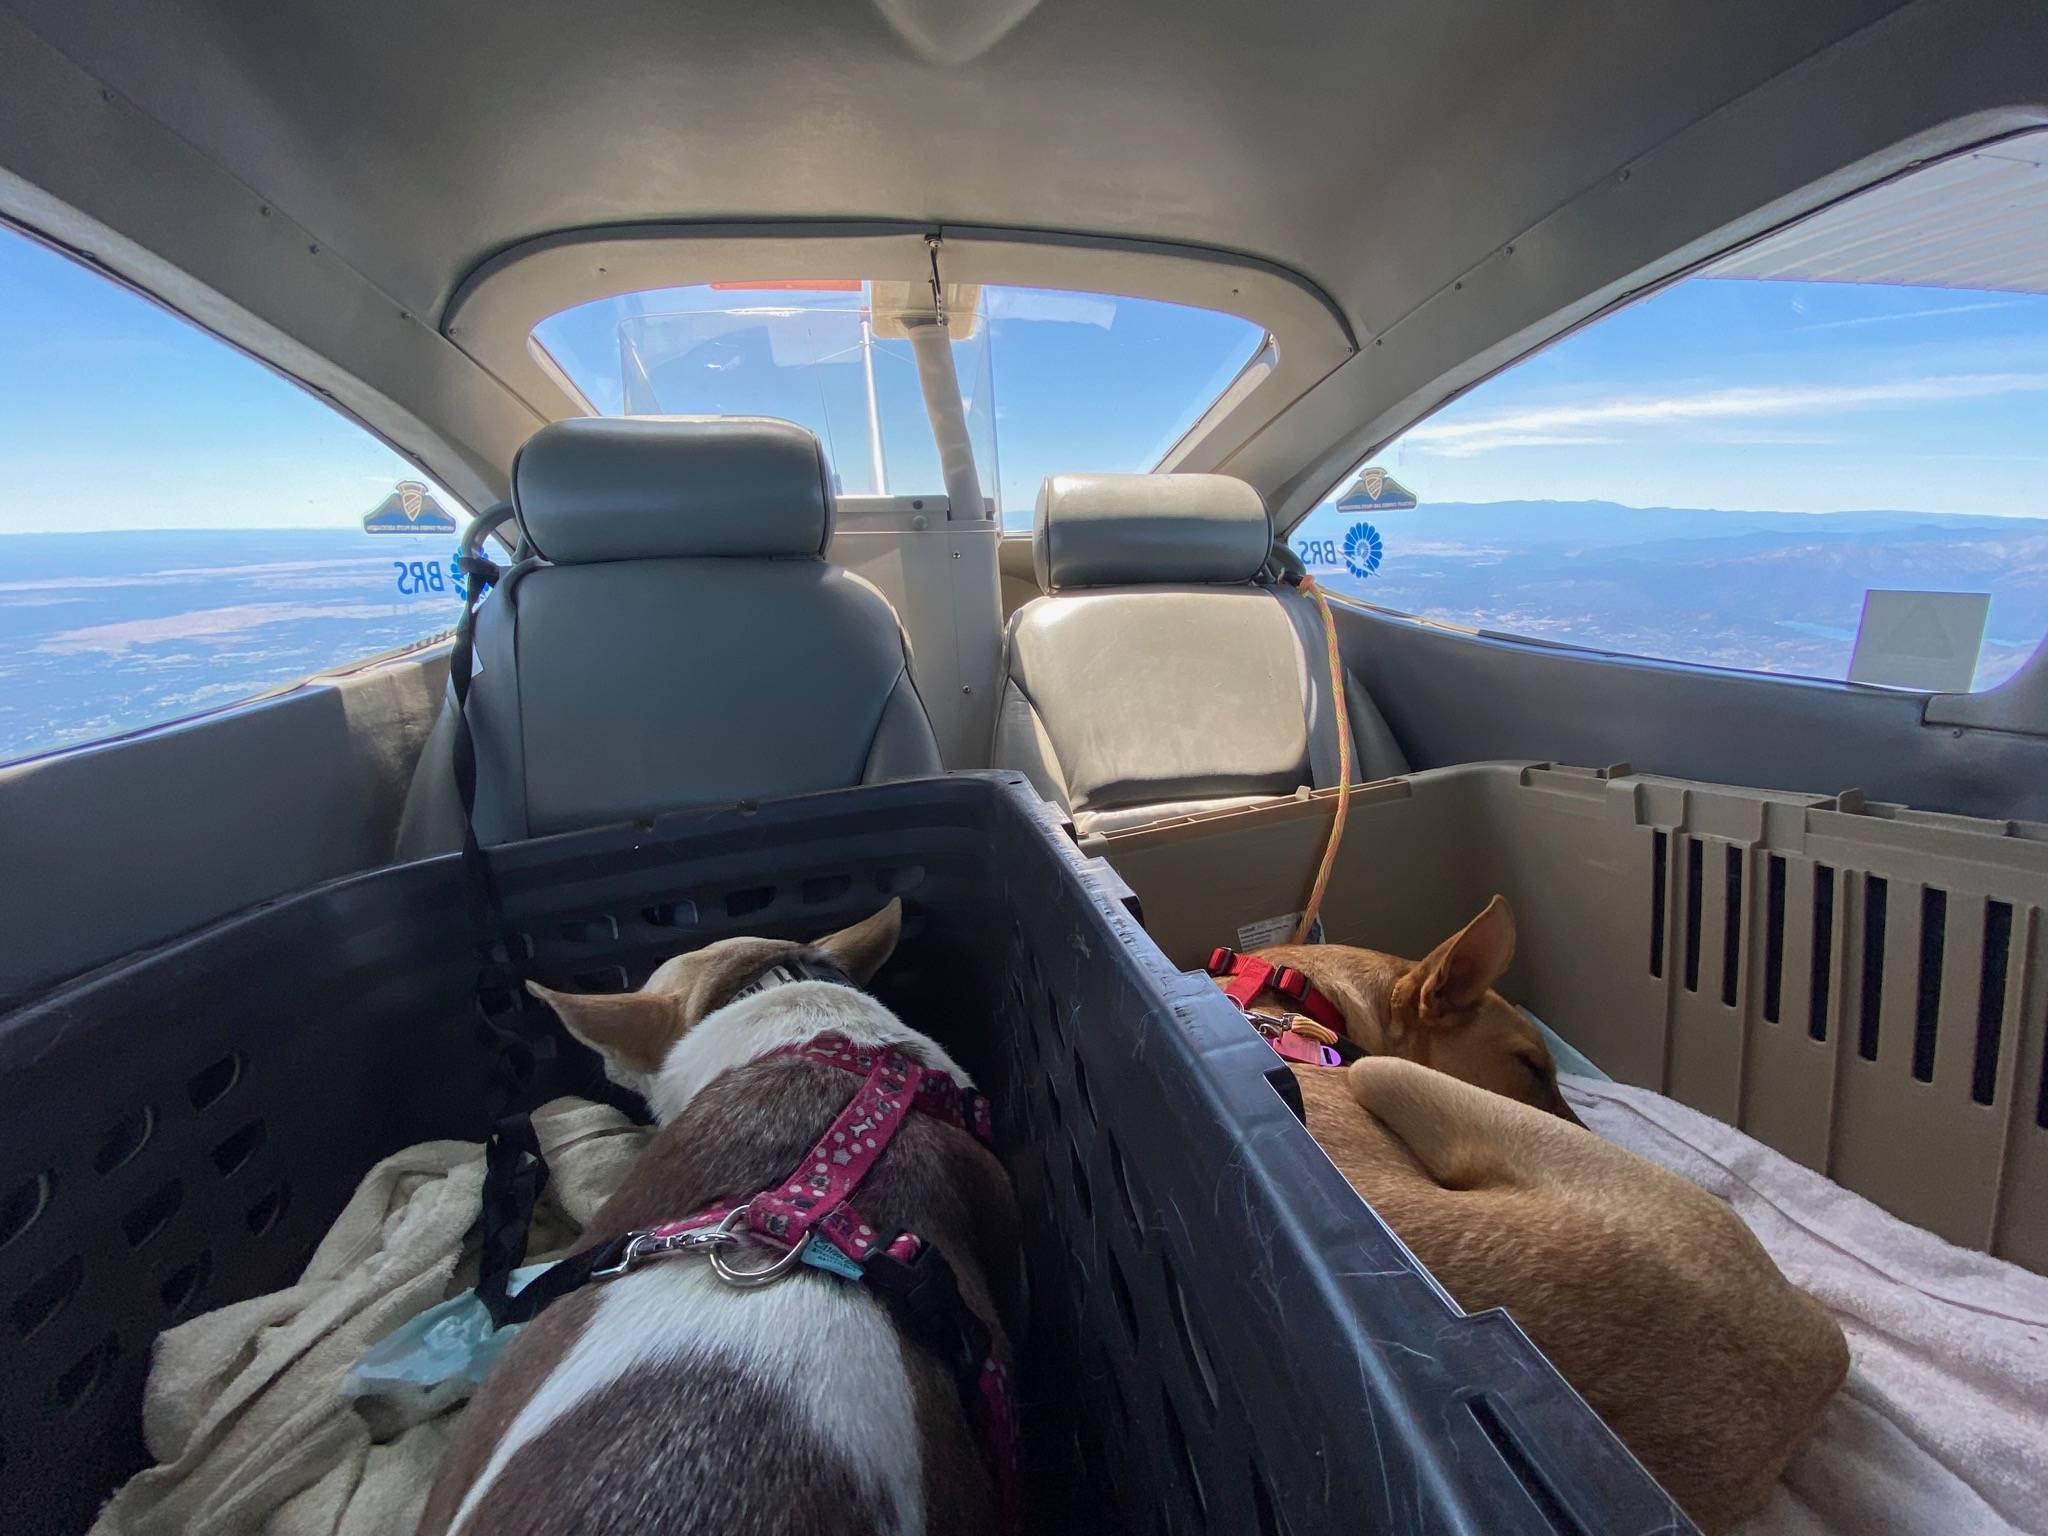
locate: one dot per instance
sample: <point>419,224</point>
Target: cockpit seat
<point>1165,670</point>
<point>678,639</point>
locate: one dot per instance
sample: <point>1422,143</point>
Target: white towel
<point>244,1410</point>
<point>1942,1426</point>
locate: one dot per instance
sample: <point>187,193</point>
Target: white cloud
<point>1545,426</point>
<point>1907,314</point>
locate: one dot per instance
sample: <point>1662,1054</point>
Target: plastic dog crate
<point>1222,1337</point>
<point>1861,986</point>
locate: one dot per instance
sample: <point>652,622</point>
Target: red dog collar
<point>1246,976</point>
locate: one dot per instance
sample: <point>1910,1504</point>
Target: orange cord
<point>1314,903</point>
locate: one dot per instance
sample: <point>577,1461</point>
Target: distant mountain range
<point>1771,591</point>
<point>103,632</point>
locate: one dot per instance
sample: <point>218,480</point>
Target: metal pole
<point>876,462</point>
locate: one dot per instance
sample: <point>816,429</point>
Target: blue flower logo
<point>1362,550</point>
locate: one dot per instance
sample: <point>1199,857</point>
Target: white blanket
<point>244,1409</point>
<point>1942,1426</point>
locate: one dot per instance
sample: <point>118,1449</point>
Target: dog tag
<point>820,1254</point>
<point>1302,1049</point>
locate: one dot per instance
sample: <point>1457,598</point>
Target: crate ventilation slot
<point>744,903</point>
<point>206,1087</point>
<point>1876,896</point>
<point>1121,1177</point>
<point>153,1214</point>
<point>1823,951</point>
<point>1927,997</point>
<point>1509,1445</point>
<point>1991,1000</point>
<point>1126,1308</point>
<point>1184,1458</point>
<point>83,1379</point>
<point>1199,1369</point>
<point>900,880</point>
<point>23,1205</point>
<point>236,1151</point>
<point>1695,889</point>
<point>267,1211</point>
<point>47,1297</point>
<point>1660,877</point>
<point>1774,938</point>
<point>187,1283</point>
<point>125,1137</point>
<point>1263,1510</point>
<point>820,889</point>
<point>1731,933</point>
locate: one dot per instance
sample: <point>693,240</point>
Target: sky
<point>1797,397</point>
<point>1051,382</point>
<point>1762,396</point>
<point>114,413</point>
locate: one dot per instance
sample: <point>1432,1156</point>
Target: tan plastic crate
<point>1861,986</point>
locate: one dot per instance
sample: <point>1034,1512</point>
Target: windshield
<point>1051,382</point>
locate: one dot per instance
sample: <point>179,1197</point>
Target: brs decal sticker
<point>419,577</point>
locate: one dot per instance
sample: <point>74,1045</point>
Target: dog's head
<point>1444,1013</point>
<point>632,1032</point>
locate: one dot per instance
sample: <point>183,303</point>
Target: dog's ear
<point>631,1030</point>
<point>1459,971</point>
<point>861,950</point>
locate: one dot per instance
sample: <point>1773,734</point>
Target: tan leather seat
<point>682,640</point>
<point>1162,672</point>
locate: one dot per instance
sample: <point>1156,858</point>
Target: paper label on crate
<point>1275,930</point>
<point>1268,930</point>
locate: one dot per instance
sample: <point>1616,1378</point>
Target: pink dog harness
<point>812,1213</point>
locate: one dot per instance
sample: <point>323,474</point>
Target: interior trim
<point>1915,86</point>
<point>493,312</point>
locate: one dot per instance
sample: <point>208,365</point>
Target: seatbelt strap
<point>515,1171</point>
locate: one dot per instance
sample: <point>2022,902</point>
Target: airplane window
<point>180,528</point>
<point>1823,455</point>
<point>1051,381</point>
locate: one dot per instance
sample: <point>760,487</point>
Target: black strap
<point>557,1281</point>
<point>925,1295</point>
<point>515,1172</point>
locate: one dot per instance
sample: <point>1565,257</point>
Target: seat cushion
<point>1161,694</point>
<point>643,686</point>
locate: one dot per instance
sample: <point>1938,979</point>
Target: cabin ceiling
<point>418,139</point>
<point>305,176</point>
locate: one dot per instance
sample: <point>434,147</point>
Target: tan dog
<point>665,1400</point>
<point>1440,1011</point>
<point>1648,1294</point>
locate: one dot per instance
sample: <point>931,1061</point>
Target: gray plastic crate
<point>1222,1337</point>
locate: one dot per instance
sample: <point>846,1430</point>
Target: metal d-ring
<point>746,1279</point>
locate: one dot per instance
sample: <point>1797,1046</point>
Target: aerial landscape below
<point>108,632</point>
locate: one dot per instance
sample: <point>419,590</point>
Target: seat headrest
<point>1128,530</point>
<point>598,488</point>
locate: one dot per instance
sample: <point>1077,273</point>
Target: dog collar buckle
<point>658,1242</point>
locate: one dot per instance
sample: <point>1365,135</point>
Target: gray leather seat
<point>681,640</point>
<point>1163,672</point>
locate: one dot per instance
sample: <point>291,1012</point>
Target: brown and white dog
<point>1440,1011</point>
<point>1647,1293</point>
<point>666,1400</point>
